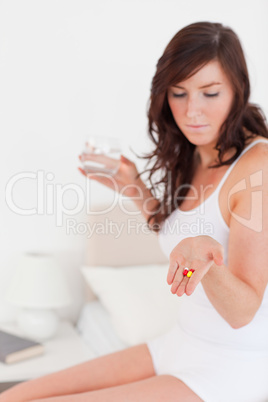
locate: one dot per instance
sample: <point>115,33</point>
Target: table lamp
<point>38,286</point>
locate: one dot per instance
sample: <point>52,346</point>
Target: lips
<point>197,126</point>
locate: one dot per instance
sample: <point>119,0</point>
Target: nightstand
<point>64,350</point>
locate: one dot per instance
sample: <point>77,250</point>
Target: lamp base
<point>39,324</point>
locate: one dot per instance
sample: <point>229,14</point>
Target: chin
<point>201,139</point>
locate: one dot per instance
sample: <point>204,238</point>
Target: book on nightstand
<point>14,348</point>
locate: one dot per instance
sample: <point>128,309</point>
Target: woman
<point>211,148</point>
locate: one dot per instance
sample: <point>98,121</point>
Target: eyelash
<point>207,95</point>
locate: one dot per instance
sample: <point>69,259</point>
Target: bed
<point>128,300</point>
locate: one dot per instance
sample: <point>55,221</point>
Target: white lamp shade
<point>38,283</point>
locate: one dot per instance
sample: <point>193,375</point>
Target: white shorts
<point>216,373</point>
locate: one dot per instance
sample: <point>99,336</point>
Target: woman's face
<point>201,103</point>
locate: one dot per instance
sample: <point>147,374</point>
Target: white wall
<point>69,68</point>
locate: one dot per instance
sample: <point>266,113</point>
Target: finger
<point>173,266</point>
<point>201,269</point>
<point>126,160</point>
<point>109,181</point>
<point>174,263</point>
<point>182,281</point>
<point>101,179</point>
<point>196,276</point>
<point>182,286</point>
<point>218,255</point>
<point>82,171</point>
<point>178,279</point>
<point>102,161</point>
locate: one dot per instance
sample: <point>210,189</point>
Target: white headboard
<point>121,237</point>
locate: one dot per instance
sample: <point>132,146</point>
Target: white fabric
<point>215,374</point>
<point>222,364</point>
<point>95,327</point>
<point>137,298</point>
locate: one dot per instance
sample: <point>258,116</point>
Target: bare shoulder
<point>255,158</point>
<point>251,171</point>
<point>260,145</point>
<point>249,174</point>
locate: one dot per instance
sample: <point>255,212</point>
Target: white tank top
<point>197,315</point>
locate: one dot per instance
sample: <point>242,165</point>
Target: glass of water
<point>101,155</point>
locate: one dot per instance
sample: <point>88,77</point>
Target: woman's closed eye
<point>211,95</point>
<point>184,94</point>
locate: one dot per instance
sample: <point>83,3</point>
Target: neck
<point>206,156</point>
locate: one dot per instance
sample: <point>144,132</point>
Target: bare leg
<point>126,366</point>
<point>154,389</point>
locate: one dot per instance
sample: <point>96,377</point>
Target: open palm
<point>194,253</point>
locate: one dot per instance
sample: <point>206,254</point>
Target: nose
<point>193,108</point>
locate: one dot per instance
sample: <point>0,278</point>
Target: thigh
<point>154,389</point>
<point>118,368</point>
<point>6,385</point>
<point>122,367</point>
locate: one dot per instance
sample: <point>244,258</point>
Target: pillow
<point>138,299</point>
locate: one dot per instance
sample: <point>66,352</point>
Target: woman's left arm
<point>236,291</point>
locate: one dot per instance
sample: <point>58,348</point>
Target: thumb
<point>126,160</point>
<point>218,256</point>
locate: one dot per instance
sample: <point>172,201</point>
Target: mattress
<point>95,327</point>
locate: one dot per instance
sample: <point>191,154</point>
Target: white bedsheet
<point>95,328</point>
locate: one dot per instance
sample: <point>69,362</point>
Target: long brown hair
<point>173,156</point>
